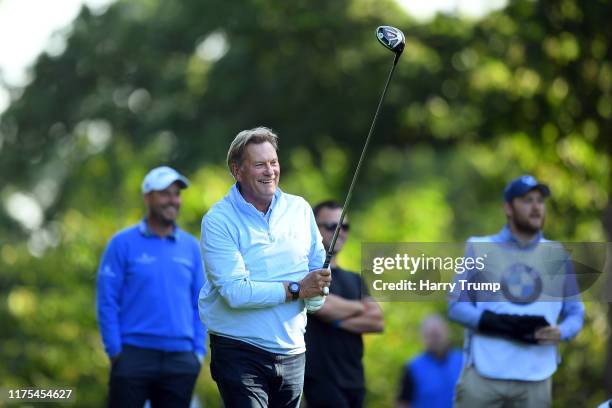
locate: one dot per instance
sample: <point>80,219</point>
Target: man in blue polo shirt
<point>262,254</point>
<point>428,380</point>
<point>147,288</point>
<point>511,337</point>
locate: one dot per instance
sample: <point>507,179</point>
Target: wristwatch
<point>294,289</point>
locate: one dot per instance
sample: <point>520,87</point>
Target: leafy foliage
<point>526,89</point>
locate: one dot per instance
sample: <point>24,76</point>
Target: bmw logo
<point>521,284</point>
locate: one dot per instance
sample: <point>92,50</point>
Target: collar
<point>245,205</point>
<point>144,229</point>
<point>439,358</point>
<point>505,235</point>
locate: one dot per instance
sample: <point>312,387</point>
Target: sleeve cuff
<point>564,333</point>
<point>476,321</point>
<point>200,356</point>
<point>282,295</point>
<point>113,351</point>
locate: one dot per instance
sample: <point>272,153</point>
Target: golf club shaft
<point>330,251</point>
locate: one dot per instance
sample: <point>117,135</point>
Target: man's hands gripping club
<point>313,289</point>
<point>314,283</point>
<point>315,303</point>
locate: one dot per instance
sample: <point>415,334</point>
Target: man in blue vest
<point>429,379</point>
<point>511,336</point>
<point>147,290</point>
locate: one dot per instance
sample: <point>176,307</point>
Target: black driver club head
<point>392,38</point>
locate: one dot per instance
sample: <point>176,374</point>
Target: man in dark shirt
<point>334,347</point>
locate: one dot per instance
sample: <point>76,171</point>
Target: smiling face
<point>526,213</point>
<point>258,174</point>
<point>163,206</point>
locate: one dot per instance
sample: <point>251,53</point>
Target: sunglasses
<point>331,226</point>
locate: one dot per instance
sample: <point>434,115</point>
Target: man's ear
<point>146,199</point>
<point>508,209</point>
<point>236,171</point>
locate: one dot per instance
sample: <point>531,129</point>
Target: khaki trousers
<point>475,391</point>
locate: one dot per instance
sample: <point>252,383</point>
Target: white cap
<point>161,178</point>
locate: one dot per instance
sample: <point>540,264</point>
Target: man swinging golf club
<point>265,266</point>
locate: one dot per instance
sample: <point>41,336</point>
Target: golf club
<point>394,40</point>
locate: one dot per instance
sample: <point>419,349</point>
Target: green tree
<point>473,103</point>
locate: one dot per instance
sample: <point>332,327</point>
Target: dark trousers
<point>325,394</point>
<point>251,377</point>
<point>164,378</point>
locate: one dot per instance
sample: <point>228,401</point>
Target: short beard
<point>160,219</point>
<point>525,227</point>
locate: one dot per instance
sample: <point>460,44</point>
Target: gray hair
<point>257,135</point>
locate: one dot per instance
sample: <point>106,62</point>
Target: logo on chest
<point>145,259</point>
<point>521,284</point>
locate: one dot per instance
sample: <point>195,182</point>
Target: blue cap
<point>522,185</point>
<point>161,178</point>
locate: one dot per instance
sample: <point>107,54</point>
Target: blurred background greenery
<point>473,103</point>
